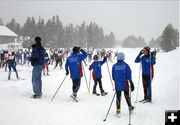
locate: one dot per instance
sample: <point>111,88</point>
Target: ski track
<point>17,108</point>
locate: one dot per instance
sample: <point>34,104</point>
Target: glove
<point>90,67</point>
<point>140,53</point>
<point>105,58</point>
<point>67,73</point>
<point>132,86</point>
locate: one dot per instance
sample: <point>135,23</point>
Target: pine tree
<point>170,38</point>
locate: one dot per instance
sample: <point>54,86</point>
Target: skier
<point>59,59</point>
<point>11,64</point>
<point>74,63</point>
<point>27,58</point>
<point>121,74</point>
<point>46,63</point>
<point>96,66</point>
<point>37,61</point>
<point>6,55</point>
<point>147,62</point>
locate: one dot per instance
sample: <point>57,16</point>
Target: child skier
<point>147,61</point>
<point>96,66</point>
<point>121,74</point>
<point>11,64</point>
<point>74,64</point>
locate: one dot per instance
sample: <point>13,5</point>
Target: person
<point>37,61</point>
<point>153,53</point>
<point>147,61</point>
<point>46,63</point>
<point>97,75</point>
<point>74,63</point>
<point>59,59</point>
<point>6,55</point>
<point>121,74</point>
<point>11,64</point>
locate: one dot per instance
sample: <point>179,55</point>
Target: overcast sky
<point>140,18</point>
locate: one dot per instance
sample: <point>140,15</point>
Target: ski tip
<point>104,120</point>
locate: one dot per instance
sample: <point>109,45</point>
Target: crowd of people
<point>40,58</point>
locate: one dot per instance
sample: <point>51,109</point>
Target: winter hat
<point>76,49</point>
<point>95,57</point>
<point>120,56</point>
<point>147,48</point>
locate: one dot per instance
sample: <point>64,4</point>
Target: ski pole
<point>85,77</point>
<point>109,107</point>
<point>110,76</point>
<point>150,77</point>
<point>138,82</point>
<point>89,81</point>
<point>58,88</point>
<point>130,110</point>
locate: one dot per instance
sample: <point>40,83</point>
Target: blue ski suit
<point>74,64</point>
<point>147,63</point>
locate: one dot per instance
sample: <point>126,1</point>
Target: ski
<point>104,94</point>
<point>117,115</point>
<point>97,94</point>
<point>147,101</point>
<point>75,99</point>
<point>142,100</point>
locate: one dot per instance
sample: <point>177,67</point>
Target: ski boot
<point>118,112</point>
<point>97,94</point>
<point>104,93</point>
<point>131,108</point>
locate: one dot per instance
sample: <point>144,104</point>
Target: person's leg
<point>128,100</point>
<point>76,85</point>
<point>40,79</point>
<point>14,68</point>
<point>94,87</point>
<point>145,86</point>
<point>100,85</point>
<point>118,101</point>
<point>35,80</point>
<point>9,74</point>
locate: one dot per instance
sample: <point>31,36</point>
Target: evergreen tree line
<point>54,33</point>
<point>167,41</point>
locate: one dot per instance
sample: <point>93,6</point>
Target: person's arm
<point>153,60</point>
<point>83,55</point>
<point>66,67</point>
<point>129,73</point>
<point>138,58</point>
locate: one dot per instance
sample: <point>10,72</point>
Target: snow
<point>4,31</point>
<point>17,108</point>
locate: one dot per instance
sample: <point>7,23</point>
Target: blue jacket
<point>73,62</point>
<point>11,60</point>
<point>37,55</point>
<point>121,73</point>
<point>96,66</point>
<point>145,61</point>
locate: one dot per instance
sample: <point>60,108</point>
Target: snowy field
<point>17,108</point>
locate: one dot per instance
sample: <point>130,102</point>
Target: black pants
<point>76,85</point>
<point>146,81</point>
<point>118,98</point>
<point>100,85</point>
